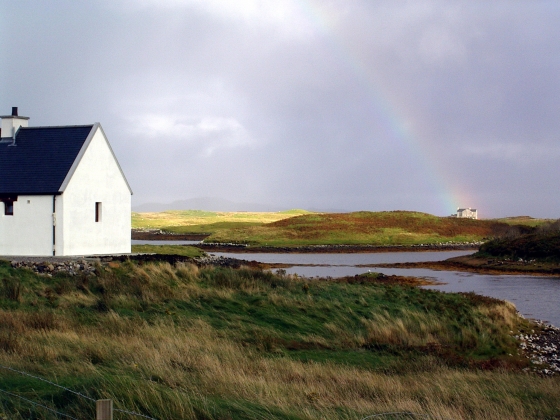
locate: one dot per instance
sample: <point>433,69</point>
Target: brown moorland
<point>373,228</point>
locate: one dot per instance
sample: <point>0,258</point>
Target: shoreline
<point>332,249</point>
<point>158,235</point>
<point>479,266</point>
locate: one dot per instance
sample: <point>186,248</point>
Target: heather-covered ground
<point>363,228</point>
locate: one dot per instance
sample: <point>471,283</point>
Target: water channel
<point>534,297</point>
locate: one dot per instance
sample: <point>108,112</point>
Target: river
<point>534,297</point>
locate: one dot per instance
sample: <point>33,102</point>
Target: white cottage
<point>467,213</point>
<point>62,191</point>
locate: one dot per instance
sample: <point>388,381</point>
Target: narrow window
<point>98,211</point>
<point>9,208</point>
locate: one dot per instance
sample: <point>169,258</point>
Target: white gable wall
<point>30,230</point>
<point>97,178</point>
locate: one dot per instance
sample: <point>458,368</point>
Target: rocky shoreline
<point>542,349</point>
<point>335,249</point>
<point>49,266</point>
<point>479,265</point>
<point>160,235</point>
<point>52,266</point>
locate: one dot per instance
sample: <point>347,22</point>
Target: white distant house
<point>62,191</point>
<point>467,213</point>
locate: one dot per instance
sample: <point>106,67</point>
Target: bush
<point>542,245</point>
<point>11,289</point>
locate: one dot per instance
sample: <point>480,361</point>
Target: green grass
<point>361,228</point>
<point>210,228</point>
<point>185,251</point>
<point>188,342</point>
<point>524,221</point>
<point>199,221</point>
<point>300,228</point>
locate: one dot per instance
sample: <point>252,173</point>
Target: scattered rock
<point>542,348</point>
<point>49,268</point>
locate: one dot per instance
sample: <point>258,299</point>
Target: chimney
<point>11,123</point>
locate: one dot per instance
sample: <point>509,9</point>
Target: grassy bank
<point>189,342</point>
<point>372,228</point>
<point>185,251</point>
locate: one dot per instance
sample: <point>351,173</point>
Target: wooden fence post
<point>104,409</point>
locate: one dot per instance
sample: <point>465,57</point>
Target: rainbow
<point>399,120</point>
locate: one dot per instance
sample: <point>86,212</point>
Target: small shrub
<point>63,285</point>
<point>188,272</point>
<point>102,304</point>
<point>9,342</point>
<point>82,282</point>
<point>40,320</point>
<point>11,289</point>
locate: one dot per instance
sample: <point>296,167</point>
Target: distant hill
<point>204,203</point>
<point>216,204</point>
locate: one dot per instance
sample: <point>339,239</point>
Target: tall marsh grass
<point>183,342</point>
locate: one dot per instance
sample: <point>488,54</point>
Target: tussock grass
<point>188,342</point>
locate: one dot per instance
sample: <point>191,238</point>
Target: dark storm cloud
<point>303,104</point>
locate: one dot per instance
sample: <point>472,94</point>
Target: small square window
<point>98,211</point>
<point>9,208</point>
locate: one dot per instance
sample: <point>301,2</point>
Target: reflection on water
<point>534,297</point>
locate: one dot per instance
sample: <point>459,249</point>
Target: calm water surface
<point>345,260</point>
<point>534,297</point>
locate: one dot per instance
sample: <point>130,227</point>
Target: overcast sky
<point>356,105</point>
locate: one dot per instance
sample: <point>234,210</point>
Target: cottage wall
<point>29,231</point>
<point>97,179</point>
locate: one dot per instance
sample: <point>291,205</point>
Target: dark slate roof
<point>40,159</point>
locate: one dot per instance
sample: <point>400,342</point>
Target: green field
<point>359,228</point>
<point>524,221</point>
<point>206,222</point>
<point>301,228</point>
<point>181,342</point>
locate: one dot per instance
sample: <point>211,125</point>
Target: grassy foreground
<point>180,342</point>
<point>359,228</point>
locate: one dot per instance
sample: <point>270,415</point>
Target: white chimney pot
<point>11,123</point>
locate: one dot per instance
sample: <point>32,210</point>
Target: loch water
<point>534,297</point>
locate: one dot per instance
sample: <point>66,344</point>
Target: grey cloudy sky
<point>357,105</point>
